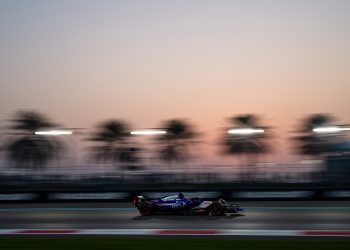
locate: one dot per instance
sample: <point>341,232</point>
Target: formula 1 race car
<point>179,204</point>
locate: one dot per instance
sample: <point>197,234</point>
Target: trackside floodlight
<point>330,129</point>
<point>54,132</point>
<point>148,132</point>
<point>245,131</point>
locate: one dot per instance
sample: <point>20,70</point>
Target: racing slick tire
<point>146,208</point>
<point>222,201</point>
<point>216,208</point>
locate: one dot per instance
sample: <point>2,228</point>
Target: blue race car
<point>179,204</point>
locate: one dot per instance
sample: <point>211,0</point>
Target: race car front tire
<point>222,201</point>
<point>216,208</point>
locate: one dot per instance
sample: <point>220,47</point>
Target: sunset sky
<point>81,62</point>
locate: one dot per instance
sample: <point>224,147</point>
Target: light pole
<point>55,133</point>
<point>243,134</point>
<point>148,132</point>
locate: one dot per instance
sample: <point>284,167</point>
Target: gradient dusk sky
<point>81,62</point>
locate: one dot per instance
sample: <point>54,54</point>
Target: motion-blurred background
<point>41,160</point>
<point>233,99</point>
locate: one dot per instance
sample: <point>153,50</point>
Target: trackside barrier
<point>194,232</point>
<point>252,194</point>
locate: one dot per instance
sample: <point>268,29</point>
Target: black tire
<point>222,201</point>
<point>216,209</point>
<point>146,208</point>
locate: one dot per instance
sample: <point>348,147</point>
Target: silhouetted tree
<point>316,144</point>
<point>113,143</point>
<point>30,121</point>
<point>248,145</point>
<point>26,149</point>
<point>174,145</point>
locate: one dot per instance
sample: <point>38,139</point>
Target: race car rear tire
<point>145,208</point>
<point>216,208</point>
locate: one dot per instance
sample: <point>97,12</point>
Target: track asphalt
<point>291,215</point>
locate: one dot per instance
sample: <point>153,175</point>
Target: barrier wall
<point>252,194</point>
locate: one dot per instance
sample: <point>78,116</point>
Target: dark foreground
<point>166,243</point>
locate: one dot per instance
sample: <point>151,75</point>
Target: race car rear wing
<point>139,199</point>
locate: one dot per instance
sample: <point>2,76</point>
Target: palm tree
<point>113,143</point>
<point>26,149</point>
<point>316,144</point>
<point>247,144</point>
<point>174,144</point>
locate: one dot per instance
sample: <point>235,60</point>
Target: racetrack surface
<point>292,215</point>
